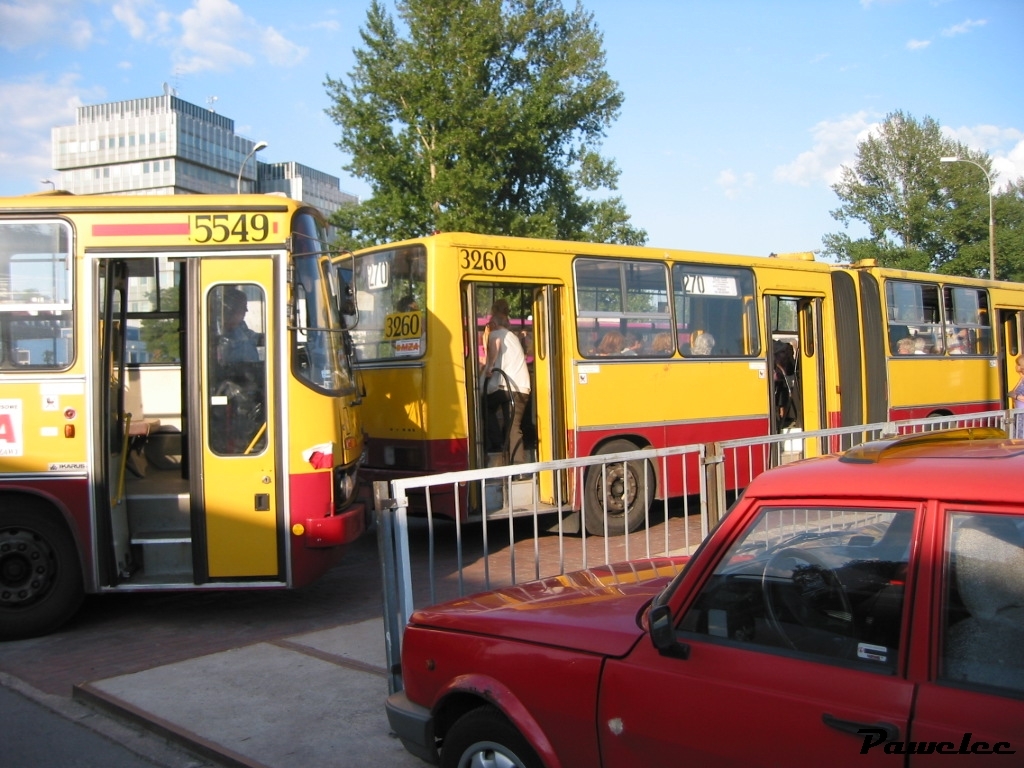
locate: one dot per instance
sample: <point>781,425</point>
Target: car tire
<point>484,738</point>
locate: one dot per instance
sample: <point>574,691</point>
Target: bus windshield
<point>320,355</point>
<point>390,288</point>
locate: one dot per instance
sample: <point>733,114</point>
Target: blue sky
<point>738,114</point>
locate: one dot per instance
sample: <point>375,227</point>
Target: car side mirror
<point>663,633</point>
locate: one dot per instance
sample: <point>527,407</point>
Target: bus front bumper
<point>333,531</point>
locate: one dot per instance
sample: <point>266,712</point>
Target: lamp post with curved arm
<point>991,213</point>
<point>258,146</point>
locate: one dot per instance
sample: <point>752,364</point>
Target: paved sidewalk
<point>309,701</point>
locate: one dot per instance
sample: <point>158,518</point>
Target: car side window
<point>826,582</point>
<point>983,599</point>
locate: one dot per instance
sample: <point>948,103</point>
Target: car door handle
<point>892,732</point>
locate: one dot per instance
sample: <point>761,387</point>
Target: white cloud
<point>129,13</point>
<point>217,35</point>
<point>1004,145</point>
<point>732,184</point>
<point>964,27</point>
<point>34,106</point>
<point>26,23</point>
<point>917,45</point>
<point>835,144</point>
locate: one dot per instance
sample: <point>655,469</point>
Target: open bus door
<point>534,316</point>
<point>796,363</point>
<point>1010,321</point>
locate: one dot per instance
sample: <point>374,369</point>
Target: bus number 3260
<point>483,261</point>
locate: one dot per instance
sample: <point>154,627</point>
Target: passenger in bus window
<point>508,386</point>
<point>662,344</point>
<point>611,345</point>
<point>633,345</point>
<point>702,345</point>
<point>905,346</point>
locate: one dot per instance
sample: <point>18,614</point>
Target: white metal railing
<point>514,536</point>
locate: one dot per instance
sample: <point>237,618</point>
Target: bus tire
<point>40,575</point>
<point>627,501</point>
<point>485,737</point>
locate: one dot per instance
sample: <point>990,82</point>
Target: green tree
<point>161,334</point>
<point>484,116</point>
<point>923,214</point>
<point>894,188</point>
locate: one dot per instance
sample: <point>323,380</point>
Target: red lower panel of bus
<point>319,544</point>
<point>925,411</point>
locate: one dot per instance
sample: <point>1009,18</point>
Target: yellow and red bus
<point>913,345</point>
<point>177,404</point>
<point>635,347</point>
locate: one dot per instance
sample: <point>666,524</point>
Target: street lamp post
<point>47,181</point>
<point>259,145</point>
<point>991,213</point>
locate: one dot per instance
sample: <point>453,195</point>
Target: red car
<point>858,610</point>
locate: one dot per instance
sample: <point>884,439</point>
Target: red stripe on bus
<point>130,230</point>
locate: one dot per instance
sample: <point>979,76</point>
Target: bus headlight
<point>345,484</point>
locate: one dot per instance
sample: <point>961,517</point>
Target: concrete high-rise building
<point>164,145</point>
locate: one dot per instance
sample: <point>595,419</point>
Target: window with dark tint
<point>825,582</point>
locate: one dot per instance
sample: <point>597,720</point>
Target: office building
<point>164,145</point>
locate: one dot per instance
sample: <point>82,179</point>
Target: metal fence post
<point>712,483</point>
<point>392,575</point>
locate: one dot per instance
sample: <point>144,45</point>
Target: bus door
<point>534,315</point>
<point>240,529</point>
<point>112,427</point>
<point>796,365</point>
<point>1011,321</point>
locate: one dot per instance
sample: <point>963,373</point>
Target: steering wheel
<point>812,594</point>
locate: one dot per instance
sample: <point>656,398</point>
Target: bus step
<point>158,512</point>
<point>164,552</point>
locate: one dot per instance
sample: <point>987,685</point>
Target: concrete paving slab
<point>299,702</point>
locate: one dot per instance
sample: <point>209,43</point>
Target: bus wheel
<point>40,577</point>
<point>622,491</point>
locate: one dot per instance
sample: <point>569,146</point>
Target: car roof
<point>978,465</point>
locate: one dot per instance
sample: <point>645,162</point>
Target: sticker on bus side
<point>11,435</point>
<point>403,325</point>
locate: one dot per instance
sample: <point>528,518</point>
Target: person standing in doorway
<point>508,386</point>
<point>1017,398</point>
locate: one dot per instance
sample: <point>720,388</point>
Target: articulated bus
<point>177,404</point>
<point>913,345</point>
<point>635,347</point>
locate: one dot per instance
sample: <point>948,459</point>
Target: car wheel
<point>627,488</point>
<point>484,738</point>
<point>40,577</point>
